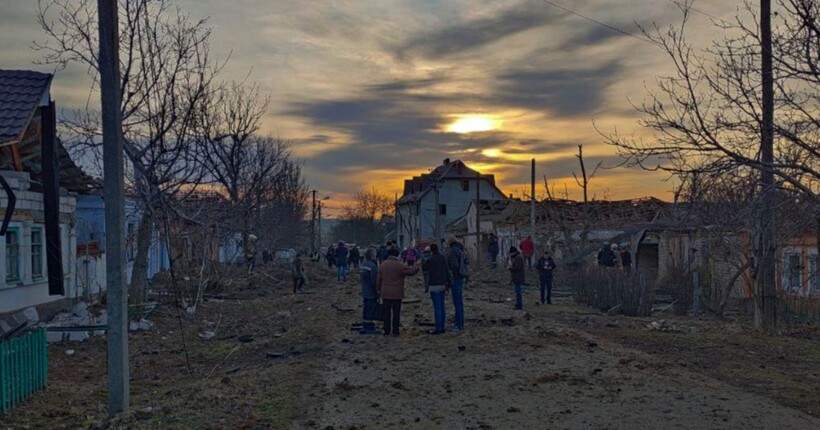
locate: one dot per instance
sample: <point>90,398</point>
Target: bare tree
<point>361,219</point>
<point>566,214</point>
<point>708,113</point>
<point>167,71</point>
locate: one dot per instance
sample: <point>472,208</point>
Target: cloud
<point>466,36</point>
<point>563,92</point>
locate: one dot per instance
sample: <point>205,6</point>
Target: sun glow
<point>473,123</point>
<point>491,152</point>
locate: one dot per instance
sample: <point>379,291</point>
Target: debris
<point>665,308</point>
<point>341,309</point>
<point>207,334</point>
<point>513,409</point>
<point>141,325</point>
<point>69,352</point>
<point>462,348</point>
<point>615,310</point>
<point>284,314</point>
<point>31,315</point>
<point>245,338</point>
<point>80,310</point>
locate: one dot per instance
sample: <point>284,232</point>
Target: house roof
<point>20,93</point>
<point>416,187</point>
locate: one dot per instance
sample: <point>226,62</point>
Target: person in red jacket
<point>527,247</point>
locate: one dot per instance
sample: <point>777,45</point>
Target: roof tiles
<point>20,93</point>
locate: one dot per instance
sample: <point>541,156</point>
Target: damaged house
<point>39,185</point>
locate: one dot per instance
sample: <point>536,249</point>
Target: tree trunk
<point>139,272</point>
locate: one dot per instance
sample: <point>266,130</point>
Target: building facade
<point>431,201</point>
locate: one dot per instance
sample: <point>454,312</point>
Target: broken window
<point>442,209</point>
<point>465,185</point>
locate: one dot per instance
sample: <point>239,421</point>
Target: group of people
<point>383,278</point>
<point>526,247</point>
<point>614,255</point>
<point>341,256</point>
<point>518,264</point>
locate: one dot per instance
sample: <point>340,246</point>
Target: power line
<point>696,10</point>
<point>603,24</point>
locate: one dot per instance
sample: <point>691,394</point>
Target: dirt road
<point>280,360</point>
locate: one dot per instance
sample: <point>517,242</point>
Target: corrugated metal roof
<point>20,93</point>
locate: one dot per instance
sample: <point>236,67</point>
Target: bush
<point>605,288</point>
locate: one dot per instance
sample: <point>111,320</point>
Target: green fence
<point>23,367</point>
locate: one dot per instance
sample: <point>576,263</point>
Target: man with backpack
<point>460,270</point>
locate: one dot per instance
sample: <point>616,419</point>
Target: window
<point>12,255</point>
<point>442,209</point>
<point>814,275</point>
<point>36,252</point>
<point>130,242</point>
<point>465,185</point>
<point>792,273</point>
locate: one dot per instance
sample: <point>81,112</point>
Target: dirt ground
<point>279,360</point>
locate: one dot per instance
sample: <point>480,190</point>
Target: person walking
<point>626,258</point>
<point>369,273</point>
<point>354,257</point>
<point>410,255</point>
<point>390,287</point>
<point>459,267</point>
<point>493,250</point>
<point>545,267</point>
<point>438,280</point>
<point>517,275</point>
<point>527,250</point>
<point>297,273</point>
<point>330,255</point>
<point>341,261</point>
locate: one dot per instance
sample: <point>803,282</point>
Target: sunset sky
<point>371,92</point>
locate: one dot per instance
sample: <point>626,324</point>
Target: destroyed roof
<point>20,94</point>
<point>418,186</point>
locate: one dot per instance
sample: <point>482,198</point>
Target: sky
<point>371,92</point>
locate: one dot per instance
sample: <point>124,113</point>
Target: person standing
<point>354,257</point>
<point>626,258</point>
<point>410,256</point>
<point>330,255</point>
<point>545,267</point>
<point>369,272</point>
<point>527,250</point>
<point>517,275</point>
<point>390,287</point>
<point>382,253</point>
<point>459,267</point>
<point>438,280</point>
<point>493,250</point>
<point>297,272</point>
<point>341,262</point>
<point>606,258</point>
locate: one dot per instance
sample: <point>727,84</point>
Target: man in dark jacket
<point>493,250</point>
<point>382,253</point>
<point>460,270</point>
<point>330,255</point>
<point>545,267</point>
<point>341,262</point>
<point>353,259</point>
<point>370,273</point>
<point>438,280</point>
<point>517,275</point>
<point>626,258</point>
<point>606,257</point>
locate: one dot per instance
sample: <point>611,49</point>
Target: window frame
<point>40,275</point>
<point>787,270</point>
<point>465,185</point>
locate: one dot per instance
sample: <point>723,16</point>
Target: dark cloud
<point>563,92</point>
<point>469,35</point>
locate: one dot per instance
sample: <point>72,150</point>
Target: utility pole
<point>767,276</point>
<point>532,201</point>
<point>438,212</point>
<point>477,219</point>
<point>319,220</point>
<point>313,224</point>
<point>113,185</point>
